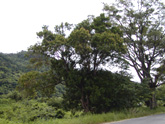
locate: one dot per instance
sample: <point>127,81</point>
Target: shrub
<point>29,110</point>
<point>15,95</point>
<point>55,102</point>
<point>60,113</point>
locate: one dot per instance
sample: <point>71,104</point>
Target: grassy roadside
<point>96,118</point>
<point>108,117</point>
<point>12,112</point>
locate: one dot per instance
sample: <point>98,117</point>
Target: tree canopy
<point>79,58</point>
<point>142,23</point>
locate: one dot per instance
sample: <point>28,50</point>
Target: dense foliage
<point>106,91</point>
<point>28,110</point>
<point>11,67</point>
<point>77,61</point>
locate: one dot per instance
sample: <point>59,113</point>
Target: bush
<point>55,102</point>
<point>30,110</point>
<point>4,101</point>
<point>15,95</point>
<point>60,113</point>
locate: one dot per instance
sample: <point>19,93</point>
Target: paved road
<point>154,119</point>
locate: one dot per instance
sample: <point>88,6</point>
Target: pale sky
<point>21,19</point>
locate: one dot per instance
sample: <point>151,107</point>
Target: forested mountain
<point>20,60</point>
<point>11,67</point>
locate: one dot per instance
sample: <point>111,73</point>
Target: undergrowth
<point>33,112</point>
<point>105,117</point>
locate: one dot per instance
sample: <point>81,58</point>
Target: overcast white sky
<point>21,19</point>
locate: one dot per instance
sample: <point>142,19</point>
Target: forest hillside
<point>11,67</point>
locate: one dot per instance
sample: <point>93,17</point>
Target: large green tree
<point>142,23</point>
<point>78,57</point>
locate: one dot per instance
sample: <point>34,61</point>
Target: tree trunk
<point>84,100</point>
<point>85,103</point>
<point>153,103</point>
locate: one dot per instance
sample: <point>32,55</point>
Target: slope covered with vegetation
<point>11,67</point>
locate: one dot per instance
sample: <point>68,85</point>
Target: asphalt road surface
<point>154,119</point>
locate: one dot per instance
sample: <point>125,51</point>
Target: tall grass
<point>108,117</point>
